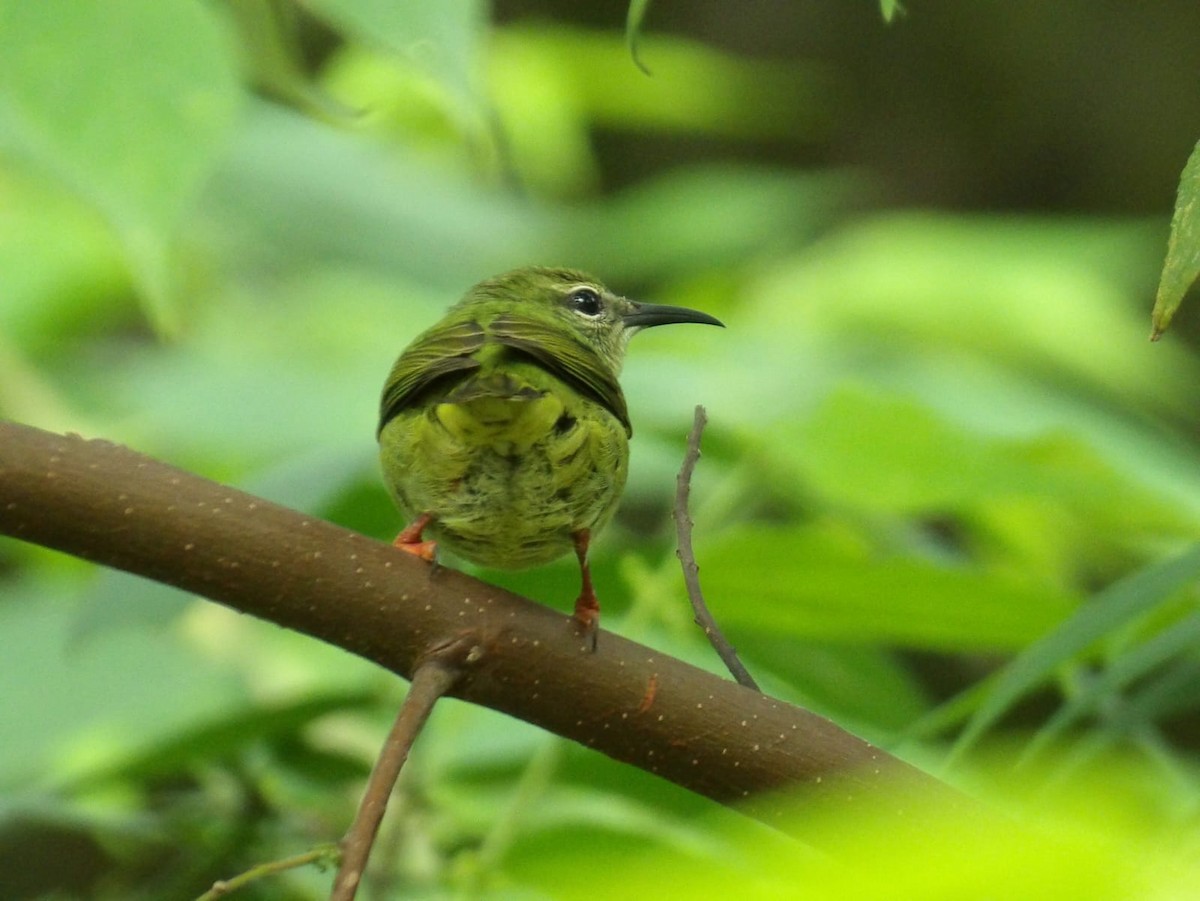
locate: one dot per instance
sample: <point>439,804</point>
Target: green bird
<point>503,431</point>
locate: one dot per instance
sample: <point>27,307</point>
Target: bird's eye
<point>586,301</point>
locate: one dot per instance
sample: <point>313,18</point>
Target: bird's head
<point>581,305</point>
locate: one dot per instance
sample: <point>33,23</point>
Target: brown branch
<point>434,677</point>
<point>105,503</point>
<point>687,557</point>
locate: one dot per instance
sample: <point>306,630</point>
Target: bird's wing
<point>570,360</point>
<point>438,352</point>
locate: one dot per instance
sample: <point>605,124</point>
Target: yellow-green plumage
<point>510,464</point>
<point>504,423</point>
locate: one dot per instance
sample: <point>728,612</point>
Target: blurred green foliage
<point>949,493</point>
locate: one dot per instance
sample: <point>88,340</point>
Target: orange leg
<point>410,539</point>
<point>587,608</point>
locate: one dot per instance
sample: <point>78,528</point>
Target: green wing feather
<point>440,351</point>
<point>563,356</point>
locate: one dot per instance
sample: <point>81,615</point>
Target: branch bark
<point>106,503</point>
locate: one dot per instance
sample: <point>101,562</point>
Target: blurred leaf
<point>951,713</point>
<point>444,39</point>
<point>565,810</point>
<point>972,290</point>
<point>136,142</point>
<point>67,719</point>
<point>810,374</point>
<point>51,848</point>
<point>1169,693</point>
<point>401,106</point>
<point>272,57</point>
<point>1111,609</point>
<point>875,451</point>
<point>694,219</point>
<point>309,360</point>
<point>1086,848</point>
<point>28,397</point>
<point>61,269</point>
<point>891,9</point>
<point>307,193</point>
<point>633,30</point>
<point>118,600</point>
<point>325,479</point>
<point>868,690</point>
<point>234,730</point>
<point>1098,691</point>
<point>1182,266</point>
<point>695,89</point>
<point>815,584</point>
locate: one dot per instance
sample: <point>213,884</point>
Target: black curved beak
<point>645,315</point>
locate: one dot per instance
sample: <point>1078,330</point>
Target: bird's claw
<point>411,539</point>
<point>426,550</point>
<point>586,622</point>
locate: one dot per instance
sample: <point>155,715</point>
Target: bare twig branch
<point>687,557</point>
<point>105,503</point>
<point>434,677</point>
<point>322,854</point>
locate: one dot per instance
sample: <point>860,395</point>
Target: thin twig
<point>431,680</point>
<point>687,557</point>
<point>320,855</point>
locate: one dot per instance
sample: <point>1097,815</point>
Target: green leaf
<point>890,288</point>
<point>696,89</point>
<point>888,452</point>
<point>232,730</point>
<point>690,219</point>
<point>1109,610</point>
<point>1043,505</point>
<point>444,39</point>
<point>272,58</point>
<point>74,704</point>
<point>1099,691</point>
<point>25,394</point>
<point>1182,266</point>
<point>311,194</point>
<point>129,103</point>
<point>64,271</point>
<point>1096,844</point>
<point>892,10</point>
<point>1171,692</point>
<point>863,688</point>
<point>812,584</point>
<point>633,30</point>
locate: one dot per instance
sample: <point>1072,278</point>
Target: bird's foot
<point>411,541</point>
<point>586,621</point>
<point>587,608</point>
